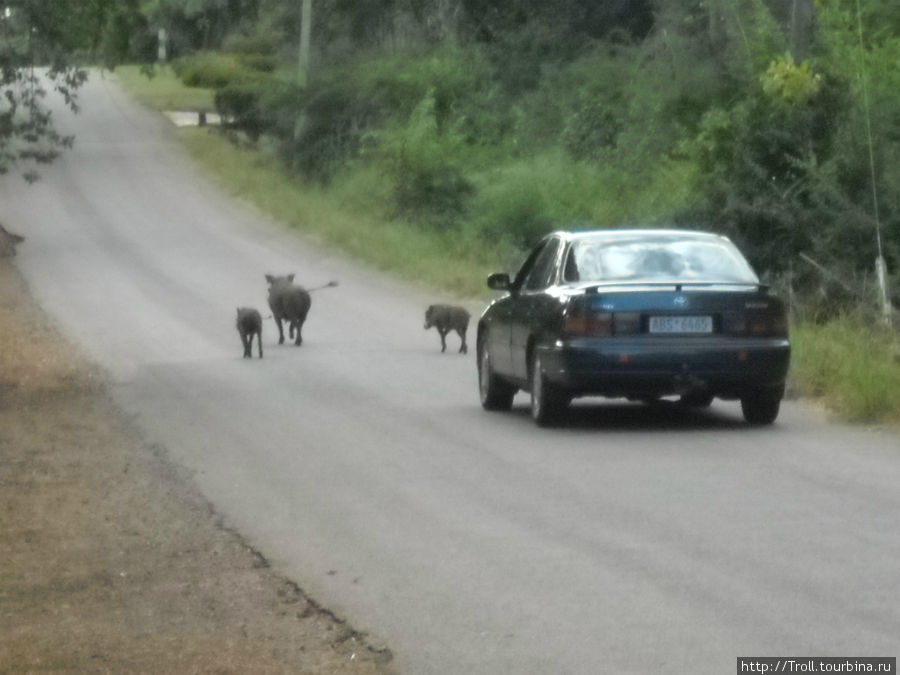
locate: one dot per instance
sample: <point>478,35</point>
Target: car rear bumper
<point>650,366</point>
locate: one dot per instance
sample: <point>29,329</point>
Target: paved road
<point>635,540</point>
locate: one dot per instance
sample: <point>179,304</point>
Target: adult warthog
<point>446,318</point>
<point>290,302</point>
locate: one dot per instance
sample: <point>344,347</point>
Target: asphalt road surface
<point>634,540</point>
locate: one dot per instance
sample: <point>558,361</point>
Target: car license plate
<point>681,324</point>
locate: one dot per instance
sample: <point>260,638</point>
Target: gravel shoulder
<point>110,559</point>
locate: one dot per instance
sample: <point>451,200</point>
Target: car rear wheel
<point>548,401</point>
<point>495,393</point>
<point>761,406</point>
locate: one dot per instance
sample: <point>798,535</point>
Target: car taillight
<point>768,324</point>
<point>588,324</point>
<point>771,322</point>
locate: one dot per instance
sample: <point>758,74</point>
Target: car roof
<point>631,233</point>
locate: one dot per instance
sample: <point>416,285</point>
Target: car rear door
<point>499,317</point>
<point>534,304</point>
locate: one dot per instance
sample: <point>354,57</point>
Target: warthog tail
<point>330,284</point>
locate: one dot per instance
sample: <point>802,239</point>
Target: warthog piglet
<point>249,323</point>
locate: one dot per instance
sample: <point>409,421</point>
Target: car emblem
<point>681,301</point>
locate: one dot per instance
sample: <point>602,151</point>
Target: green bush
<point>321,134</point>
<point>250,44</point>
<point>590,131</point>
<point>239,105</point>
<point>429,183</point>
<point>263,63</point>
<point>211,70</point>
<point>455,78</point>
<point>524,199</point>
<point>341,115</point>
<point>515,213</point>
<point>432,193</point>
<point>345,115</point>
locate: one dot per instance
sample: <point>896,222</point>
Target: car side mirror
<point>498,281</point>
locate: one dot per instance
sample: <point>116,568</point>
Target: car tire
<point>495,393</point>
<point>548,401</point>
<point>761,406</point>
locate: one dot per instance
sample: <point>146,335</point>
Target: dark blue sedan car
<point>640,314</point>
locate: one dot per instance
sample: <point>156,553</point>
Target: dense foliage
<point>36,34</point>
<point>764,119</point>
<point>774,121</point>
<point>44,45</point>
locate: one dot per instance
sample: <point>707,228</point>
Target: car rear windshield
<point>657,257</point>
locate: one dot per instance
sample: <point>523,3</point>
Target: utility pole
<point>802,12</point>
<point>162,40</point>
<point>305,32</point>
<point>880,267</point>
<point>303,61</point>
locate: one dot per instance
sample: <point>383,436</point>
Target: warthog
<point>249,323</point>
<point>290,302</point>
<point>446,318</point>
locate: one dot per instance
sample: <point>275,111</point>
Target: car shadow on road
<point>598,414</point>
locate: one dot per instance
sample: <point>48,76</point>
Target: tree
<point>38,39</point>
<point>124,35</point>
<point>199,24</point>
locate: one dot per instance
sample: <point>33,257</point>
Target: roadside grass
<point>163,91</point>
<point>854,369</point>
<point>448,261</point>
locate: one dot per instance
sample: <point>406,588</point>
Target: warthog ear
<point>270,279</point>
<point>290,277</point>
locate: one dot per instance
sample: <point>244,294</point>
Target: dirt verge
<point>110,560</point>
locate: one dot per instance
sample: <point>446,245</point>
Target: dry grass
<point>32,358</point>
